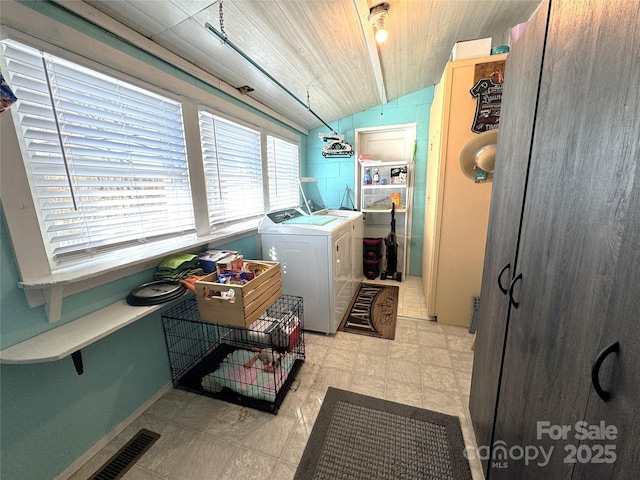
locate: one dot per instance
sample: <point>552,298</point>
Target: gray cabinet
<point>560,281</point>
<point>515,136</point>
<point>620,374</point>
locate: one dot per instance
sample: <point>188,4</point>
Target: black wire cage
<point>251,366</point>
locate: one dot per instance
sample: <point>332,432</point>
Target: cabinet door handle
<point>595,370</point>
<point>502,289</point>
<point>511,286</point>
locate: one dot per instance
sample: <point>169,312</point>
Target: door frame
<point>410,131</point>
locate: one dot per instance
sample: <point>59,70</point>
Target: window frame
<point>266,168</point>
<point>155,94</point>
<point>262,135</point>
<point>47,287</point>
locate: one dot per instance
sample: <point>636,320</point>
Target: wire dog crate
<point>252,366</point>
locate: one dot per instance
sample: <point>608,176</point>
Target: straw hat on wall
<point>479,155</point>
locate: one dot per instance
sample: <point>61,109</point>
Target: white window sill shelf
<point>69,338</point>
<point>55,286</point>
<point>82,272</point>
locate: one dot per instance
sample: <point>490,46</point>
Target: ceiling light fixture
<point>377,15</point>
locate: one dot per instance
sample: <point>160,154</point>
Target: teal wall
<point>334,174</point>
<point>49,414</point>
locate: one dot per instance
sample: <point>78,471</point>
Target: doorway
<point>387,144</point>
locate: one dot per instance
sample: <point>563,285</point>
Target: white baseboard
<point>100,444</point>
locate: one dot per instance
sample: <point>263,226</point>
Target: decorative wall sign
<point>489,100</point>
<point>488,94</point>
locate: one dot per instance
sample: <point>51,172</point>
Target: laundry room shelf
<point>383,184</point>
<point>69,338</point>
<point>398,210</point>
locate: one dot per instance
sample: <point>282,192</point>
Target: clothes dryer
<point>315,254</point>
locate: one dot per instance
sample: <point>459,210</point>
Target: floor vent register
<point>127,456</point>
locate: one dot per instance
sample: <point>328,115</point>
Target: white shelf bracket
<point>53,302</point>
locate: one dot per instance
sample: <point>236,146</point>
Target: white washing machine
<point>315,254</point>
<point>320,251</point>
<point>313,204</point>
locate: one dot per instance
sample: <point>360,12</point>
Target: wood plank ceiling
<point>322,51</point>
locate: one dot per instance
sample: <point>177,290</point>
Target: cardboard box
<point>249,300</point>
<point>209,259</point>
<point>480,47</point>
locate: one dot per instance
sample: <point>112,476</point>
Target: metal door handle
<point>595,370</point>
<point>511,286</point>
<point>502,289</point>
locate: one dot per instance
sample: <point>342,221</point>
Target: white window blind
<point>282,158</point>
<point>233,169</point>
<point>107,160</point>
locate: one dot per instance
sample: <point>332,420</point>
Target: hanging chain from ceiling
<point>221,14</point>
<point>225,39</point>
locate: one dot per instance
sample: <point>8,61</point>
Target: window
<point>282,158</point>
<point>102,171</point>
<point>107,160</point>
<point>233,169</point>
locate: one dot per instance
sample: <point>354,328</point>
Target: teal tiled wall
<point>336,174</point>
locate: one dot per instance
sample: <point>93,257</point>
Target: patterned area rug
<point>356,437</point>
<point>373,311</point>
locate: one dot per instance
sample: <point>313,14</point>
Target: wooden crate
<point>251,299</point>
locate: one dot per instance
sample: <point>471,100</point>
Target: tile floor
<point>427,365</point>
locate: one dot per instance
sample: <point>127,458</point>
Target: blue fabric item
<point>7,98</point>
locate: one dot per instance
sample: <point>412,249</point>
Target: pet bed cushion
<point>252,382</point>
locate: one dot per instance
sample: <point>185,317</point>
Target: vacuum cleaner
<point>391,246</point>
